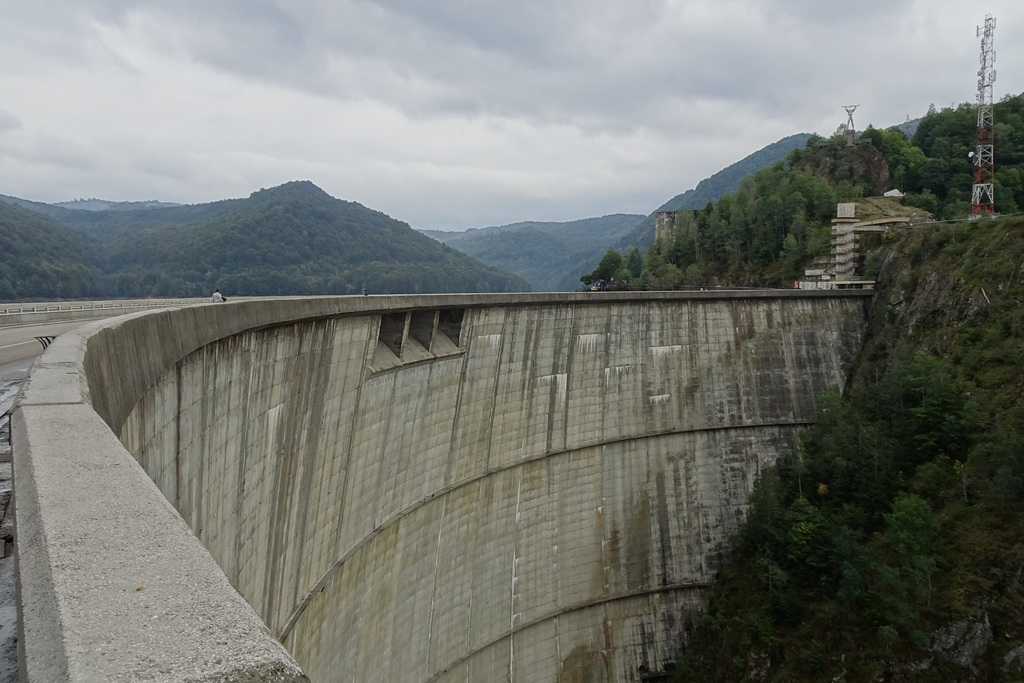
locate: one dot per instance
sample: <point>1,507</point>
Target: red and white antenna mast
<point>983,195</point>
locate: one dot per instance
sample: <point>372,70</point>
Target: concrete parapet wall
<point>112,585</point>
<point>447,487</point>
<point>27,314</point>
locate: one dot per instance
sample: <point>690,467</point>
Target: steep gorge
<point>887,547</point>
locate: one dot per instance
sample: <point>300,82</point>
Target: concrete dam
<point>438,488</point>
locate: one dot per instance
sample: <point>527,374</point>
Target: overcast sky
<point>448,114</point>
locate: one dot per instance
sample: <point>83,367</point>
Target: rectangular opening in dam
<point>392,331</point>
<point>417,335</point>
<point>449,323</point>
<point>421,327</point>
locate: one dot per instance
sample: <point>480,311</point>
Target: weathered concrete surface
<point>112,586</point>
<point>534,487</point>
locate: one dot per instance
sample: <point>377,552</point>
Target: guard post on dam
<point>527,487</point>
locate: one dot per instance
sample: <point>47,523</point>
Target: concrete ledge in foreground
<point>113,586</point>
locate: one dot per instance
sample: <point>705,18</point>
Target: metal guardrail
<point>65,306</point>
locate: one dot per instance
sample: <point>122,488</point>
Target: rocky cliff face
<point>955,291</point>
<point>860,163</point>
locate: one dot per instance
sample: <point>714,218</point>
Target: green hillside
<point>290,240</point>
<point>712,188</point>
<point>778,222</point>
<point>888,545</point>
<point>550,256</point>
<point>42,259</point>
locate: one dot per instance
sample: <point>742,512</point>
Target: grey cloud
<point>8,121</point>
<point>429,59</point>
<point>816,15</point>
<point>158,168</point>
<point>544,61</point>
<point>599,66</point>
<point>61,151</point>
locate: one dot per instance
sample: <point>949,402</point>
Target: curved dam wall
<point>464,487</point>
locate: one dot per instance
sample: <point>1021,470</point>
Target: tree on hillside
<point>41,258</point>
<point>610,268</point>
<point>634,263</point>
<point>904,158</point>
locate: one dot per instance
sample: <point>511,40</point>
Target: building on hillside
<point>844,269</point>
<point>844,246</point>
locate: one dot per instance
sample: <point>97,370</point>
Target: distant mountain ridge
<point>582,228</point>
<point>104,205</point>
<point>294,239</point>
<point>714,187</point>
<point>909,127</point>
<point>546,254</point>
<point>553,256</point>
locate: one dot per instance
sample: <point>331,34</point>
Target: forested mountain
<point>62,208</point>
<point>939,179</point>
<point>37,207</point>
<point>710,189</point>
<point>41,258</point>
<point>290,240</point>
<point>100,223</point>
<point>887,546</point>
<point>908,128</point>
<point>550,256</point>
<point>778,222</point>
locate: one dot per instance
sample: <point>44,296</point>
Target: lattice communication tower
<point>983,194</point>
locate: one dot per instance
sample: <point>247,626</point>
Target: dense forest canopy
<point>712,188</point>
<point>289,240</point>
<point>42,258</point>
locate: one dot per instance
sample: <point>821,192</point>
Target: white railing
<point>65,306</point>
